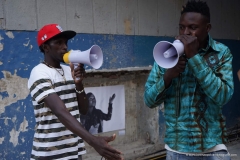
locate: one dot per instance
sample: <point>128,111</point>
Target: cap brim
<point>66,34</point>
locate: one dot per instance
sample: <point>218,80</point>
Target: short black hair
<point>198,7</point>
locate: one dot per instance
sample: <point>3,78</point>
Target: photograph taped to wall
<point>106,109</point>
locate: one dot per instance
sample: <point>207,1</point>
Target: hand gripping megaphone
<point>92,57</point>
<point>166,54</point>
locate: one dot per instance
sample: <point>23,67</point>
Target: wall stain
<point>1,47</point>
<point>15,86</point>
<point>127,27</point>
<point>114,47</point>
<point>110,37</point>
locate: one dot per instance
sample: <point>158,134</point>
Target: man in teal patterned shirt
<point>194,91</point>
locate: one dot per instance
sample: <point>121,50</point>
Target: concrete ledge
<point>115,73</point>
<point>131,151</point>
<point>129,69</point>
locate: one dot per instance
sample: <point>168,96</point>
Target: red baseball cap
<point>50,30</point>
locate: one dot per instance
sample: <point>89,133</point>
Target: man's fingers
<point>113,156</point>
<point>79,71</point>
<point>183,62</point>
<point>181,38</point>
<point>180,67</point>
<point>112,138</point>
<point>71,66</point>
<point>111,153</point>
<point>82,72</point>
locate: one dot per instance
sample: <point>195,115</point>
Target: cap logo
<point>59,28</point>
<point>44,37</point>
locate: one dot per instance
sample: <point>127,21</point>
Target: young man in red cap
<point>58,96</point>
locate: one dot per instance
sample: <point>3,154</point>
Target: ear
<point>209,27</point>
<point>45,47</point>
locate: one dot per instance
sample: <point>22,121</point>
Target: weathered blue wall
<point>19,54</point>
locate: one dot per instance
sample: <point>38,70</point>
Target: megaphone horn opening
<point>165,54</point>
<point>96,56</point>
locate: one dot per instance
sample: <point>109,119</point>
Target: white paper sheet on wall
<point>102,95</point>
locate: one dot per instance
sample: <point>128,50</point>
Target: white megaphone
<point>166,54</point>
<point>92,57</point>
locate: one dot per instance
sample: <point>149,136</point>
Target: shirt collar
<point>211,44</point>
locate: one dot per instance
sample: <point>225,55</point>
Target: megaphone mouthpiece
<point>93,57</point>
<point>169,53</point>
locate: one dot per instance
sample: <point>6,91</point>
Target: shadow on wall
<point>232,109</point>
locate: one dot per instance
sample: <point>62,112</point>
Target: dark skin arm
<point>100,144</point>
<point>79,72</point>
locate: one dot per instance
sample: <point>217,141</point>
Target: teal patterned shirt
<point>193,102</point>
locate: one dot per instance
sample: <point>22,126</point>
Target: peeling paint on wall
<point>23,125</point>
<point>6,120</point>
<point>14,134</point>
<point>1,38</point>
<point>15,87</point>
<point>22,153</point>
<point>1,47</point>
<point>26,44</point>
<point>10,34</point>
<point>1,140</point>
<point>14,119</point>
<point>14,137</point>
